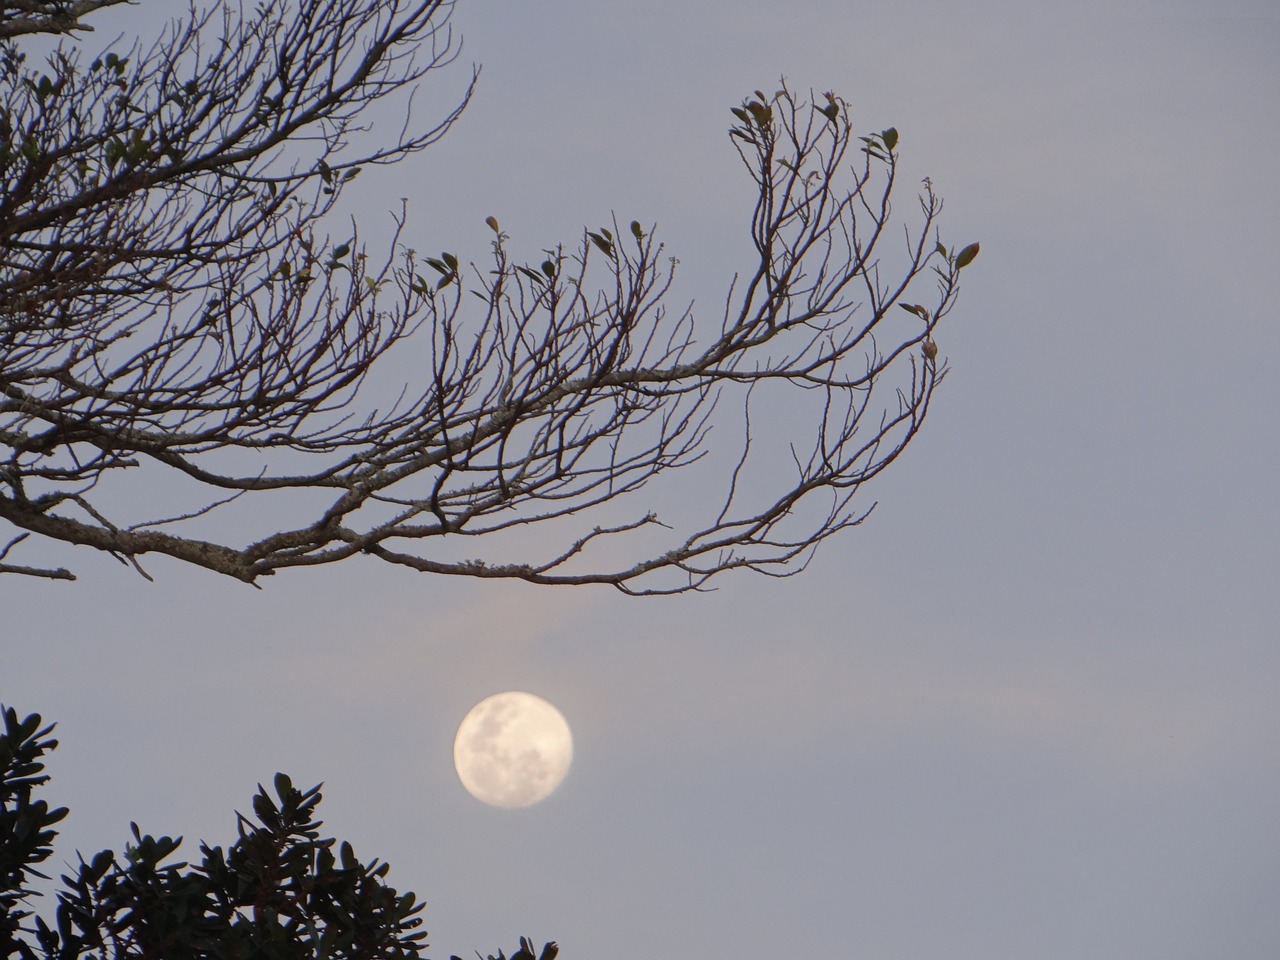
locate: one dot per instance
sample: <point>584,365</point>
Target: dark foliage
<point>279,892</point>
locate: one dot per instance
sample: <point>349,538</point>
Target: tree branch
<point>19,17</point>
<point>171,310</point>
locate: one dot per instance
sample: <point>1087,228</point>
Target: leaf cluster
<point>279,892</point>
<point>550,951</point>
<point>26,823</point>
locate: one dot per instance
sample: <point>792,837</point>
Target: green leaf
<point>601,242</point>
<point>549,269</point>
<point>966,256</point>
<point>890,137</point>
<point>637,230</point>
<point>762,114</point>
<point>341,251</point>
<point>741,114</point>
<point>451,260</point>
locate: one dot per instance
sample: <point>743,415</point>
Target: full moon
<point>512,749</point>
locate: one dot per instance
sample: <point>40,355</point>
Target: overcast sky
<point>1029,709</point>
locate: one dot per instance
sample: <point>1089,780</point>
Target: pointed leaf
<point>966,256</point>
<point>890,138</point>
<point>602,243</point>
<point>263,808</point>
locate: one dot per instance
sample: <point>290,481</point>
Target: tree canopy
<point>177,316</point>
<point>279,892</point>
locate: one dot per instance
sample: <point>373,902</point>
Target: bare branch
<point>18,17</point>
<point>171,309</point>
<point>52,574</point>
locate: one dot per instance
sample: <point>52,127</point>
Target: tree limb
<point>172,311</point>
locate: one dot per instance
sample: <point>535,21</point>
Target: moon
<point>512,749</point>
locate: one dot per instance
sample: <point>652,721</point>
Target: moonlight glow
<point>512,749</point>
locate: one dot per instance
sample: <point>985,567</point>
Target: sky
<point>1028,708</point>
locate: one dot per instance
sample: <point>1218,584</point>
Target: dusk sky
<point>1029,709</point>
